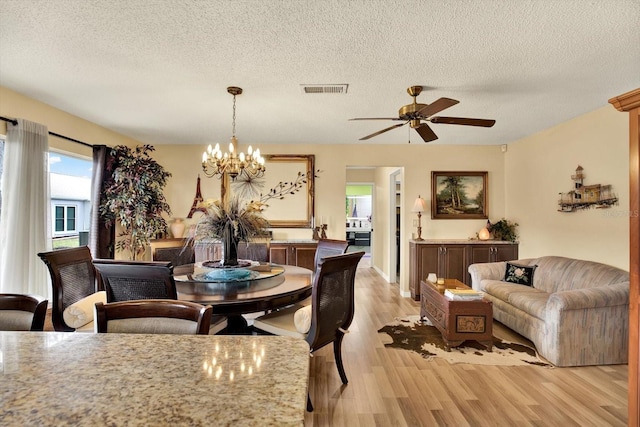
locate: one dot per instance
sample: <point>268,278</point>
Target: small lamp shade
<point>484,234</point>
<point>420,205</point>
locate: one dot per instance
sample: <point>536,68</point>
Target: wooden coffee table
<point>458,321</point>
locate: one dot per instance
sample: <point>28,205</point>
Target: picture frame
<point>470,196</point>
<point>295,209</point>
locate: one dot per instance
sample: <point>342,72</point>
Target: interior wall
<point>183,161</point>
<point>16,105</point>
<point>540,166</point>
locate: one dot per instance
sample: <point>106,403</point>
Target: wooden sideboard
<point>301,254</point>
<point>451,259</point>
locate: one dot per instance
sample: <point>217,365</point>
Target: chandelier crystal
<point>217,163</point>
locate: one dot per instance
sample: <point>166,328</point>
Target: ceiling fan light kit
<point>417,114</point>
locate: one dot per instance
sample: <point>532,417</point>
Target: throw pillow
<point>520,274</point>
<point>302,319</point>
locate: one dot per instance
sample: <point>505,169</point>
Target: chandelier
<point>217,163</point>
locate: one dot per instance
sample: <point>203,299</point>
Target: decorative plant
<point>237,220</point>
<point>133,197</point>
<point>231,223</point>
<point>504,230</point>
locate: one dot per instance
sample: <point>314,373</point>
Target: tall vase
<point>177,228</point>
<point>229,247</point>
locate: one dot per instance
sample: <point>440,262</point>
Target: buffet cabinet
<point>293,253</point>
<point>451,259</point>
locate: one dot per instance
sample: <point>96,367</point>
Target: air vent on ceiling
<point>341,88</point>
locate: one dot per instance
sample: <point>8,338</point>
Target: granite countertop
<point>461,241</point>
<point>84,379</point>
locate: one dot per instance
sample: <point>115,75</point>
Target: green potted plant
<point>133,197</point>
<point>504,230</point>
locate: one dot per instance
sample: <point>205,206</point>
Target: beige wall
<point>15,105</point>
<point>540,166</point>
<point>523,182</point>
<point>418,161</point>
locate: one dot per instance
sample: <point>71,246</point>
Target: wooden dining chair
<point>328,247</point>
<point>73,278</point>
<point>153,316</point>
<point>328,317</point>
<point>19,312</point>
<point>134,280</point>
<point>177,251</point>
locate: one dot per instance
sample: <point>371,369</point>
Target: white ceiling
<point>157,70</point>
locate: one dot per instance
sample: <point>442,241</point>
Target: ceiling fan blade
<point>426,133</point>
<point>377,118</point>
<point>383,131</point>
<point>437,106</point>
<point>463,121</point>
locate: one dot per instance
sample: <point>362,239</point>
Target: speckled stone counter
<point>55,378</point>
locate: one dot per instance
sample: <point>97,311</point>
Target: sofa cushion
<point>556,273</point>
<point>519,274</point>
<point>528,299</point>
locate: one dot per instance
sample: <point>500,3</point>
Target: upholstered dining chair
<point>254,251</point>
<point>20,312</point>
<point>153,316</point>
<point>328,317</point>
<point>178,251</point>
<point>72,279</point>
<point>328,247</point>
<point>141,280</point>
<point>133,280</point>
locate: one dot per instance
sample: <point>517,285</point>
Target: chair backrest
<point>20,312</point>
<point>153,317</point>
<point>254,251</point>
<point>135,280</point>
<point>328,247</point>
<point>72,278</point>
<point>332,298</point>
<point>177,251</point>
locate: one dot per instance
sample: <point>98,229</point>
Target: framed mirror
<point>294,209</point>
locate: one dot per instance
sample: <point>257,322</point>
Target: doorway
<point>359,210</point>
<point>395,213</point>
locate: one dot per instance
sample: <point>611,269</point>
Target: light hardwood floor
<point>390,387</point>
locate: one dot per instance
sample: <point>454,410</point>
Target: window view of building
<point>70,182</point>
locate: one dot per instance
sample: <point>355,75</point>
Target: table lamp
<point>419,206</point>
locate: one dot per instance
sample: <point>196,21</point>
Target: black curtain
<point>101,238</point>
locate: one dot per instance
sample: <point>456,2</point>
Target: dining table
<point>63,378</point>
<point>237,291</point>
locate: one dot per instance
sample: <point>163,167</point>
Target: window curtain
<point>24,220</point>
<point>101,238</point>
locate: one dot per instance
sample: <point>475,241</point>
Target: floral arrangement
<point>237,221</point>
<point>243,221</point>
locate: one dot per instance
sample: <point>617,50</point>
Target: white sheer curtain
<point>24,221</point>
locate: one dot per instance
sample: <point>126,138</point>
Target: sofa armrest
<point>486,271</point>
<point>600,296</point>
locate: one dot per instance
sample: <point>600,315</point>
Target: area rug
<point>412,334</point>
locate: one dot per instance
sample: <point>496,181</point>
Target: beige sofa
<point>576,312</point>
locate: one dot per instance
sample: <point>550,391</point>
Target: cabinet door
<point>425,261</point>
<point>453,262</point>
<point>481,253</point>
<point>278,254</point>
<point>505,253</point>
<point>304,256</point>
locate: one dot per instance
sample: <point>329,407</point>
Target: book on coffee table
<point>463,294</point>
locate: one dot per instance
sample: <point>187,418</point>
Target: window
<point>65,219</point>
<point>70,181</point>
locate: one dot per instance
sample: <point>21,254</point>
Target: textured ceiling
<point>157,70</point>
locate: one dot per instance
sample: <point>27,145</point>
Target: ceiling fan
<point>416,114</point>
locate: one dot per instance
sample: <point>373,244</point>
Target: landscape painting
<point>459,195</point>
